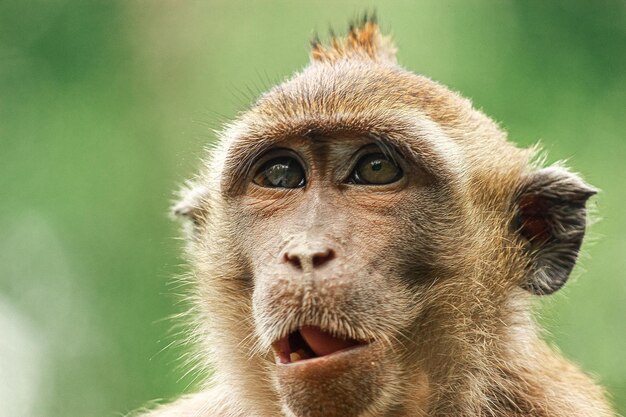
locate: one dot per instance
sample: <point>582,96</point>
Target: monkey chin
<point>343,382</point>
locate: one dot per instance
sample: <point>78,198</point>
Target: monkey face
<point>333,221</point>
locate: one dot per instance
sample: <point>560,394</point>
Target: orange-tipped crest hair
<point>363,41</point>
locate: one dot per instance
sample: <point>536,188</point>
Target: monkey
<point>365,243</point>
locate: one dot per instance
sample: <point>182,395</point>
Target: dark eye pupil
<point>377,166</point>
<point>282,172</point>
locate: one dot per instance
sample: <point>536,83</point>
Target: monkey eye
<point>375,169</point>
<point>281,172</point>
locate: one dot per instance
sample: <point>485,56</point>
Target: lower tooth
<point>294,356</point>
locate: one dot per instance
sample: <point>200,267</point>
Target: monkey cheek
<point>341,385</point>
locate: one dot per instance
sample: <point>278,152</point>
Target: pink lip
<point>310,343</point>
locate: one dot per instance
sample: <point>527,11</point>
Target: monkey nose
<point>307,260</point>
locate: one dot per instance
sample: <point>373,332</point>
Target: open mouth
<point>310,342</point>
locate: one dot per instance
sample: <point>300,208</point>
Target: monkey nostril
<point>293,260</point>
<point>320,259</point>
<point>309,261</point>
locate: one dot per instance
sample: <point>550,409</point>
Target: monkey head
<point>364,242</point>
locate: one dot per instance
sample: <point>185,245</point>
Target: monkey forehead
<point>358,86</point>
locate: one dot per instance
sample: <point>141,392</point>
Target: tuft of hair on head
<point>363,41</point>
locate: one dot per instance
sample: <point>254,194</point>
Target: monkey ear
<point>192,204</point>
<point>551,217</point>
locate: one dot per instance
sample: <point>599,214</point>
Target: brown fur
<point>436,271</point>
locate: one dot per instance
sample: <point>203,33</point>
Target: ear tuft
<point>193,204</point>
<point>551,217</point>
<point>363,41</point>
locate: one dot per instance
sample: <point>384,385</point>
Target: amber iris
<point>375,169</point>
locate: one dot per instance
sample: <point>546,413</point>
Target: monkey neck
<point>511,373</point>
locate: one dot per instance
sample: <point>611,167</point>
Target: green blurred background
<point>105,107</point>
